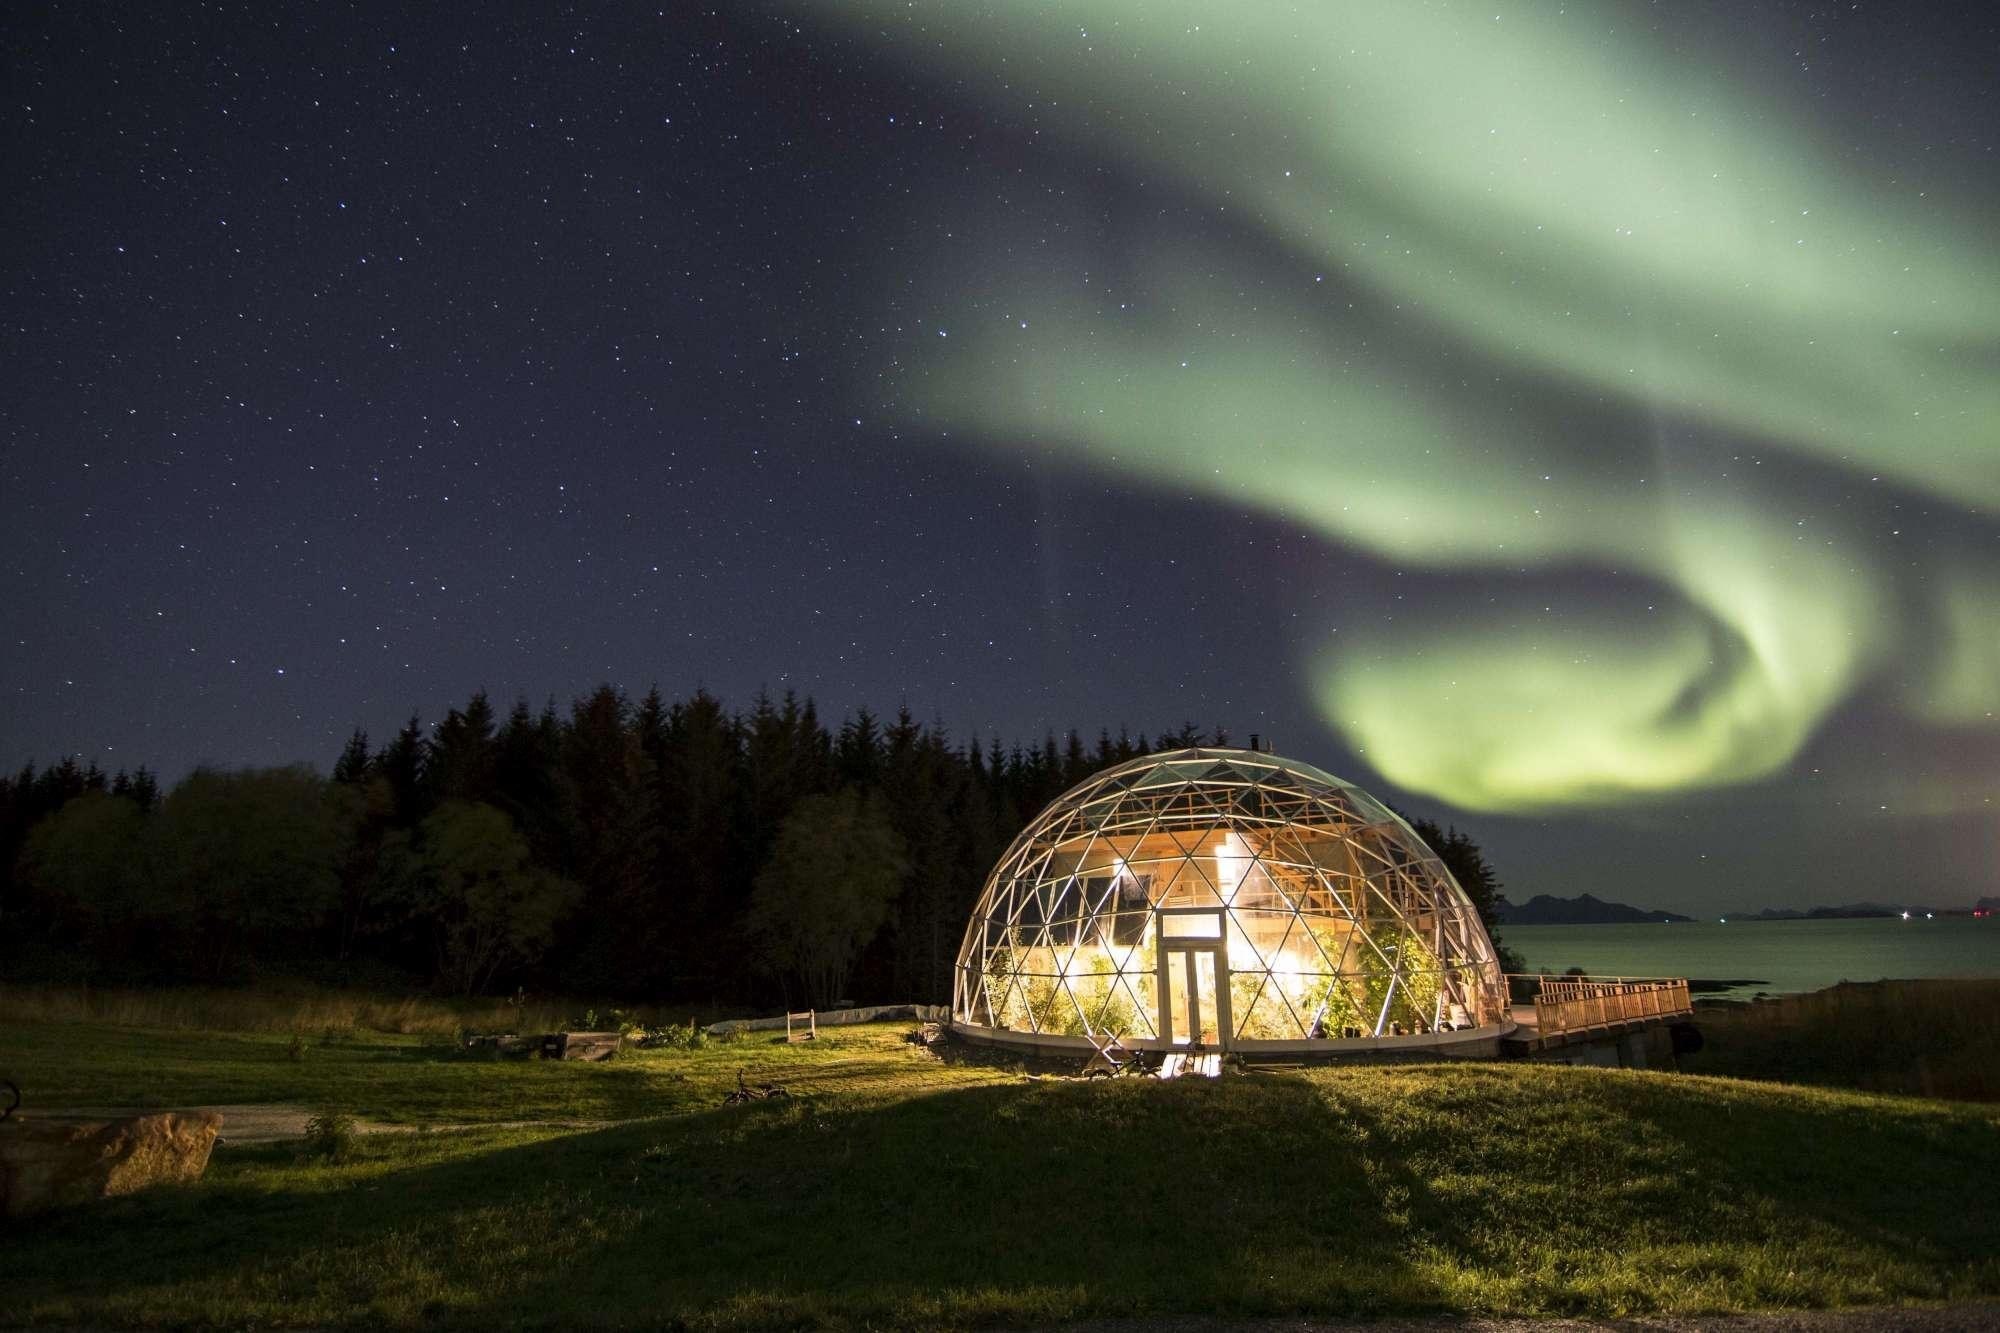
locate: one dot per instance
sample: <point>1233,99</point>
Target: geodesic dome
<point>1227,899</point>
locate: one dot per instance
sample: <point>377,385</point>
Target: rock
<point>52,1164</point>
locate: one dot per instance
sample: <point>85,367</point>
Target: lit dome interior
<point>1227,899</point>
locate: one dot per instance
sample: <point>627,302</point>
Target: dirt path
<point>278,1122</point>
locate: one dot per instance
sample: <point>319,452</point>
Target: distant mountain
<point>1543,910</point>
<point>1851,911</point>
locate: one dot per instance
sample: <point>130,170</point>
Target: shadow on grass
<point>1268,1194</point>
<point>1889,1198</point>
<point>1604,1192</point>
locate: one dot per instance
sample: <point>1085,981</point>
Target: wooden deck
<point>1569,1009</point>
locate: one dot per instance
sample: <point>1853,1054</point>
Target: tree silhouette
<point>678,829</point>
<point>825,892</point>
<point>247,862</point>
<point>468,876</point>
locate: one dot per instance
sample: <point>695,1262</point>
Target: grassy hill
<point>895,1189</point>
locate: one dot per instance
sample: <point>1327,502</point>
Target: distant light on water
<point>1778,956</point>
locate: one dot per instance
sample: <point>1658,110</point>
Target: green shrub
<point>1107,1006</point>
<point>996,979</point>
<point>1257,1013</point>
<point>1050,1007</point>
<point>1340,1011</point>
<point>689,1036</point>
<point>331,1136</point>
<point>1414,1001</point>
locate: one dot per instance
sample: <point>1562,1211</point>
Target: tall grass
<point>1929,1038</point>
<point>218,1009</point>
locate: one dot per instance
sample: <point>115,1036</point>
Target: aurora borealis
<point>1515,295</point>
<point>1576,421</point>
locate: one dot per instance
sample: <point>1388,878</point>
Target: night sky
<point>1581,423</point>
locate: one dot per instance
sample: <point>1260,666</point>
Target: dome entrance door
<point>1193,979</point>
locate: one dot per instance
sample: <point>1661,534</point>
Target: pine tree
<point>526,752</point>
<point>703,789</point>
<point>354,765</point>
<point>403,765</point>
<point>464,760</point>
<point>857,755</point>
<point>1076,764</point>
<point>599,787</point>
<point>145,791</point>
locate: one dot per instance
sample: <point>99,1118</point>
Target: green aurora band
<point>1572,277</point>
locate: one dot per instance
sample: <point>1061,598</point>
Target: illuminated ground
<point>893,1189</point>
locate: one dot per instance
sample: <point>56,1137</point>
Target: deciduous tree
<point>467,875</point>
<point>248,861</point>
<point>825,892</point>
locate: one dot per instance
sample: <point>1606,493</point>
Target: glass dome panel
<point>1227,896</point>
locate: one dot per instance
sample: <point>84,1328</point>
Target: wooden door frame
<point>1217,946</point>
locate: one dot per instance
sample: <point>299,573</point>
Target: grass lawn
<point>896,1190</point>
<point>415,1080</point>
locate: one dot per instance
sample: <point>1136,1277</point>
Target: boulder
<point>52,1163</point>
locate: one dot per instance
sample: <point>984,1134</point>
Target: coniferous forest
<point>642,851</point>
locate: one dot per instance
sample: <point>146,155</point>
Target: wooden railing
<point>1578,1004</point>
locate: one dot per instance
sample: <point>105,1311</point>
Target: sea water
<point>1780,955</point>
